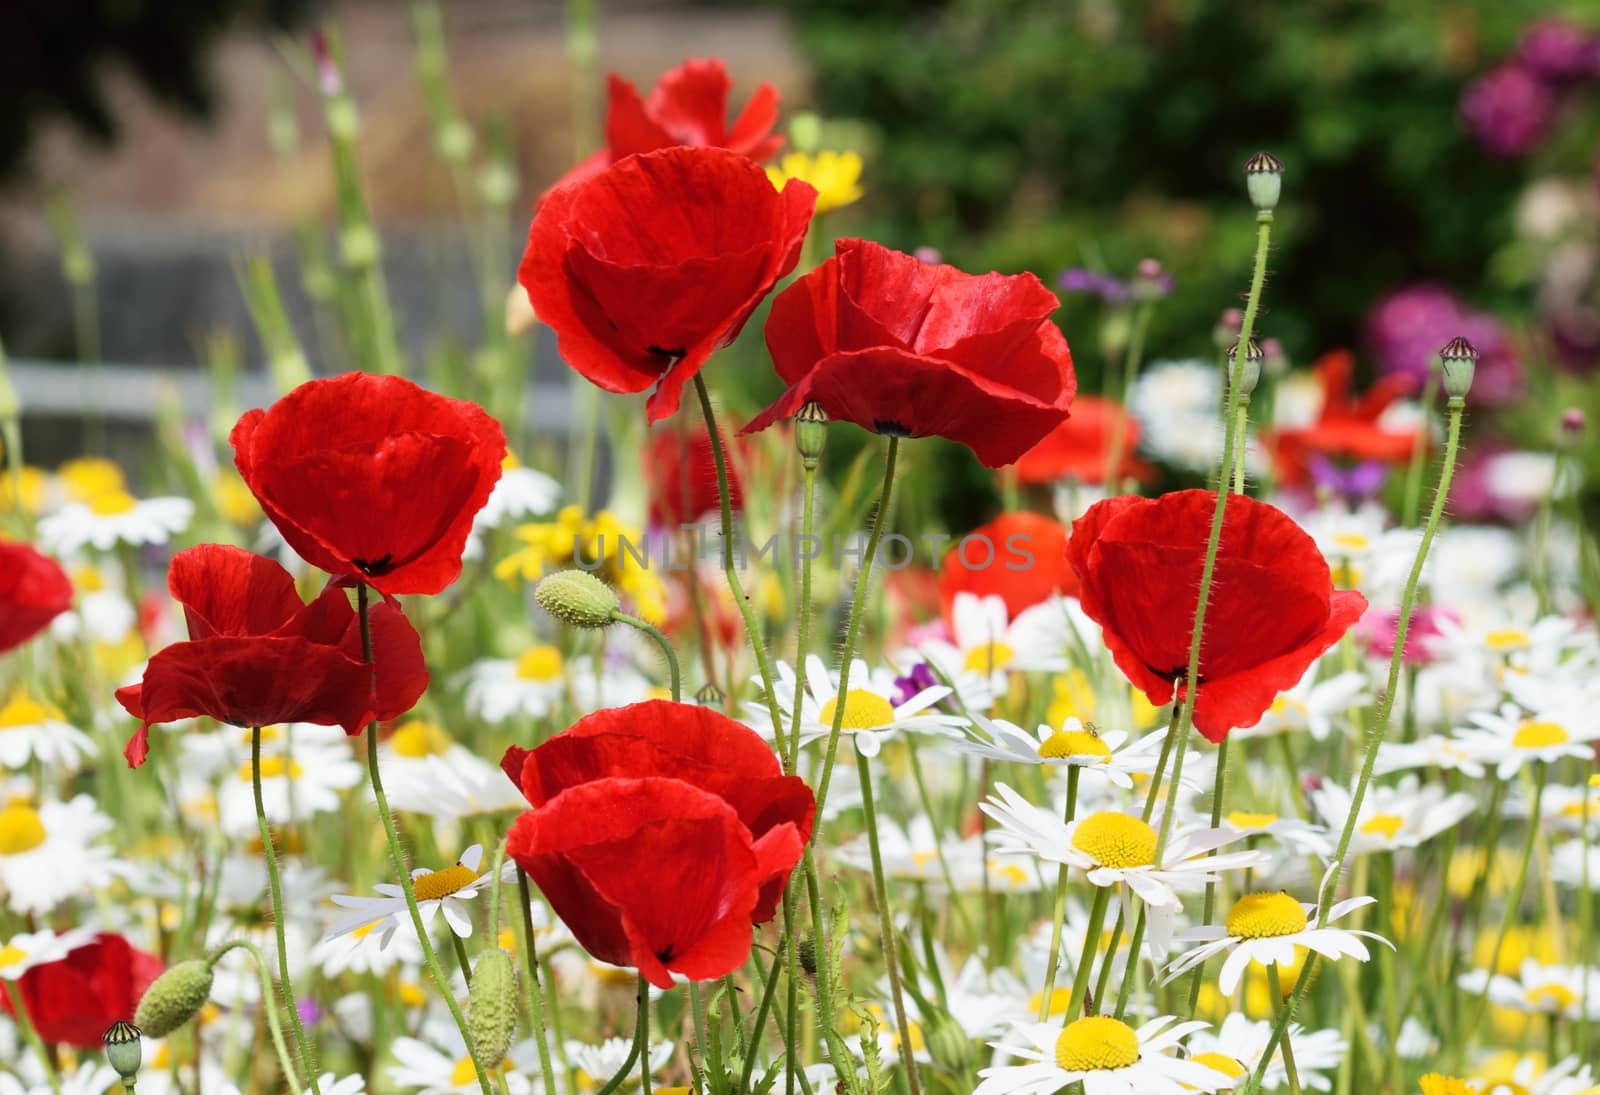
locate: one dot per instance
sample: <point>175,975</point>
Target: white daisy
<point>1268,928</point>
<point>47,855</point>
<point>539,679</point>
<point>873,712</point>
<point>367,950</point>
<point>1237,1046</point>
<point>1509,738</point>
<point>445,891</point>
<point>914,853</point>
<point>601,1061</point>
<point>299,778</point>
<point>1432,751</point>
<point>1517,1074</point>
<point>1105,1055</point>
<point>115,517</point>
<point>1108,755</point>
<point>1541,989</point>
<point>91,1077</point>
<point>33,729</point>
<point>1294,833</point>
<point>1391,818</point>
<point>426,772</point>
<point>103,615</point>
<point>442,1065</point>
<point>986,641</point>
<point>521,492</point>
<point>22,952</point>
<point>1311,705</point>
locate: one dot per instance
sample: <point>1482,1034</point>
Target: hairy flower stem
<point>275,888</point>
<point>274,1025</point>
<point>643,1041</point>
<point>653,633</point>
<point>19,1011</point>
<point>803,642</point>
<point>891,959</point>
<point>430,958</point>
<point>1128,370</point>
<point>1274,987</point>
<point>1059,908</point>
<point>1330,884</point>
<point>535,986</point>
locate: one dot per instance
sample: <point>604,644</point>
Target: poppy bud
<point>709,695</point>
<point>578,598</point>
<point>808,956</point>
<point>492,1007</point>
<point>1459,360</point>
<point>811,432</point>
<point>124,1048</point>
<point>174,998</point>
<point>949,1045</point>
<point>1250,370</point>
<point>1263,179</point>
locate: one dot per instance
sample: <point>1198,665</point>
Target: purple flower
<point>1352,482</point>
<point>1509,109</point>
<point>1407,328</point>
<point>1077,279</point>
<point>310,1011</point>
<point>1559,51</point>
<point>1380,625</point>
<point>920,678</point>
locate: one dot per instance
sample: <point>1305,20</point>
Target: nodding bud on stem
<point>1263,179</point>
<point>578,598</point>
<point>124,1048</point>
<point>710,696</point>
<point>174,998</point>
<point>1249,368</point>
<point>811,432</point>
<point>1459,361</point>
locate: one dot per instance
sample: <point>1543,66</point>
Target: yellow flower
<point>1071,696</point>
<point>32,482</point>
<point>603,545</point>
<point>234,500</point>
<point>1435,1084</point>
<point>89,477</point>
<point>836,175</point>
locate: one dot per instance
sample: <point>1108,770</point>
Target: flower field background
<point>886,591</point>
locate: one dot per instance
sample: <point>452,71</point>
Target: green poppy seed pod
<point>124,1048</point>
<point>1250,369</point>
<point>808,956</point>
<point>710,695</point>
<point>578,598</point>
<point>1263,179</point>
<point>174,998</point>
<point>1459,359</point>
<point>811,432</point>
<point>949,1045</point>
<point>492,1007</point>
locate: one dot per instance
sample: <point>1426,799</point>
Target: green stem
<point>274,1026</point>
<point>803,642</point>
<point>1091,942</point>
<point>1276,989</point>
<point>461,958</point>
<point>655,636</point>
<point>644,1036</point>
<point>763,1009</point>
<point>886,926</point>
<point>535,986</point>
<point>1210,908</point>
<point>275,888</point>
<point>1419,452</point>
<point>397,856</point>
<point>20,1011</point>
<point>1059,908</point>
<point>1130,369</point>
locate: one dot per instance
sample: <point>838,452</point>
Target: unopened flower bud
<point>1573,421</point>
<point>1459,361</point>
<point>1263,179</point>
<point>174,998</point>
<point>808,956</point>
<point>578,598</point>
<point>1249,368</point>
<point>949,1045</point>
<point>710,695</point>
<point>811,432</point>
<point>492,1007</point>
<point>124,1048</point>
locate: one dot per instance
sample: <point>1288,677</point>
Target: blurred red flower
<point>72,1001</point>
<point>682,476</point>
<point>903,347</point>
<point>1346,428</point>
<point>648,267</point>
<point>1273,608</point>
<point>258,655</point>
<point>688,106</point>
<point>1019,557</point>
<point>372,477</point>
<point>33,591</point>
<point>1080,447</point>
<point>660,833</point>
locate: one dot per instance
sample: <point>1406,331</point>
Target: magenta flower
<point>1406,329</point>
<point>1509,109</point>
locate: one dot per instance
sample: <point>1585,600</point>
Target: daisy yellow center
<point>1096,1043</point>
<point>112,502</point>
<point>863,710</point>
<point>1552,993</point>
<point>420,739</point>
<point>1384,825</point>
<point>21,829</point>
<point>989,657</point>
<point>87,580</point>
<point>1074,743</point>
<point>1509,639</point>
<point>412,996</point>
<point>11,955</point>
<point>1287,705</point>
<point>274,767</point>
<point>539,663</point>
<point>1116,840</point>
<point>1266,916</point>
<point>437,884</point>
<point>1060,997</point>
<point>22,710</point>
<point>89,477</point>
<point>1537,735</point>
<point>1220,1062</point>
<point>1437,1084</point>
<point>1244,819</point>
<point>1352,541</point>
<point>465,1073</point>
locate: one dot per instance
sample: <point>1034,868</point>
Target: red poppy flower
<point>660,833</point>
<point>647,268</point>
<point>73,1000</point>
<point>688,106</point>
<point>1080,447</point>
<point>372,477</point>
<point>33,591</point>
<point>682,476</point>
<point>1020,557</point>
<point>1273,607</point>
<point>914,349</point>
<point>257,655</point>
<point>1346,428</point>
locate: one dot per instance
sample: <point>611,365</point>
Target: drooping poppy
<point>1346,428</point>
<point>73,1000</point>
<point>648,267</point>
<point>372,477</point>
<point>1272,611</point>
<point>33,591</point>
<point>913,349</point>
<point>1080,448</point>
<point>258,655</point>
<point>660,833</point>
<point>688,106</point>
<point>681,473</point>
<point>1019,557</point>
